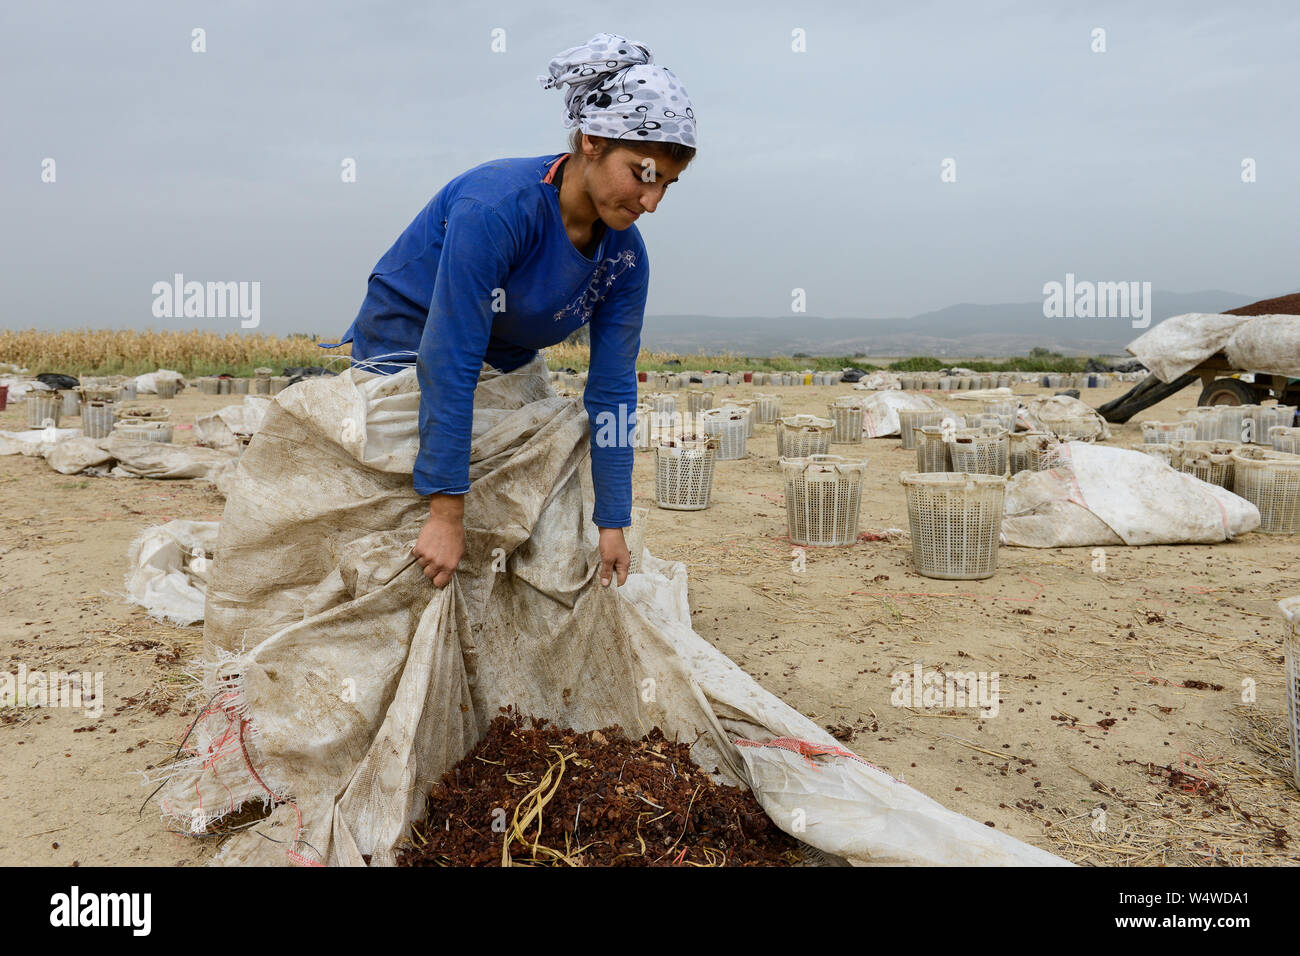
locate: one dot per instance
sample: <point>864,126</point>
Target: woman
<point>513,256</point>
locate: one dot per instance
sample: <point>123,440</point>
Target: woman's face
<point>626,183</point>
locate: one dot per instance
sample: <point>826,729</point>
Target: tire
<point>1228,391</point>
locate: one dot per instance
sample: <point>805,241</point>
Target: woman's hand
<point>441,544</point>
<point>614,555</point>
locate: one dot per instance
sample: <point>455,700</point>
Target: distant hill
<point>966,330</point>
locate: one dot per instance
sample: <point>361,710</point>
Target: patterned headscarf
<point>615,91</point>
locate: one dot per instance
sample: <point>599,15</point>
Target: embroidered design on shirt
<point>598,288</point>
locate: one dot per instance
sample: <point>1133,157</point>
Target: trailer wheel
<point>1228,391</point>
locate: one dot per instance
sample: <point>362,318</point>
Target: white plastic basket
<point>932,452</point>
<point>768,408</point>
<point>97,419</point>
<point>698,401</point>
<point>684,473</point>
<point>1230,419</point>
<point>279,383</point>
<point>1162,433</point>
<point>1270,480</point>
<point>641,437</point>
<point>1269,417</point>
<point>956,522</point>
<point>1005,410</point>
<point>43,407</point>
<point>1209,461</point>
<point>138,430</point>
<point>846,413</point>
<point>69,402</point>
<point>1018,449</point>
<point>661,403</point>
<point>910,419</point>
<point>730,426</point>
<point>210,385</point>
<point>977,452</point>
<point>1206,420</point>
<point>823,495</point>
<point>167,387</point>
<point>801,436</point>
<point>750,408</point>
<point>1291,655</point>
<point>1285,439</point>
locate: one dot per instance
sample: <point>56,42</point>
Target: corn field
<point>134,352</point>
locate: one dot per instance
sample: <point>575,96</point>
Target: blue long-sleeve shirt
<point>487,272</point>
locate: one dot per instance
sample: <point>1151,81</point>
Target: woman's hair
<point>675,152</point>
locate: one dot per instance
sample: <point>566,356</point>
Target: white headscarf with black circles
<point>614,90</point>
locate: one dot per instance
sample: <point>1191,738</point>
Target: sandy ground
<point>1095,710</point>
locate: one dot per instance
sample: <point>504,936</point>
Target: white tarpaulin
<point>35,442</point>
<point>168,570</point>
<point>147,384</point>
<point>880,412</point>
<point>1258,343</point>
<point>1070,419</point>
<point>221,428</point>
<point>1097,496</point>
<point>343,683</point>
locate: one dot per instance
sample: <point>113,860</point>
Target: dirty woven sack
<point>343,684</point>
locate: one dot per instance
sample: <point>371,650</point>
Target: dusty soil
<point>1107,679</point>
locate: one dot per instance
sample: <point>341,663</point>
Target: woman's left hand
<point>614,555</point>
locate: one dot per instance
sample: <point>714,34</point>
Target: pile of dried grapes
<point>540,795</point>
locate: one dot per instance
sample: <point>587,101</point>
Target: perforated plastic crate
<point>977,452</point>
<point>97,419</point>
<point>1208,460</point>
<point>684,473</point>
<point>802,435</point>
<point>1270,480</point>
<point>932,452</point>
<point>768,408</point>
<point>697,401</point>
<point>846,413</point>
<point>1162,433</point>
<point>43,408</point>
<point>1285,439</point>
<point>956,522</point>
<point>910,419</point>
<point>1206,420</point>
<point>823,495</point>
<point>730,427</point>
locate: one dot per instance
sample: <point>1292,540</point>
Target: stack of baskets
<point>1005,411</point>
<point>956,523</point>
<point>1209,461</point>
<point>846,413</point>
<point>1285,439</point>
<point>1270,480</point>
<point>823,494</point>
<point>910,419</point>
<point>684,473</point>
<point>1206,420</point>
<point>1163,433</point>
<point>801,436</point>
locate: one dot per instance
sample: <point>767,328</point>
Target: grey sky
<point>818,170</point>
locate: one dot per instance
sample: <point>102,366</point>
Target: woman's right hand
<point>441,544</point>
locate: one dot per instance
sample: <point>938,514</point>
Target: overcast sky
<point>818,170</point>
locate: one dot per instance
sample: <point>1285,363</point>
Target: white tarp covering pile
<point>35,442</point>
<point>880,412</point>
<point>1114,496</point>
<point>69,452</point>
<point>147,384</point>
<point>878,380</point>
<point>168,570</point>
<point>221,428</point>
<point>1252,343</point>
<point>349,683</point>
<point>1070,419</point>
